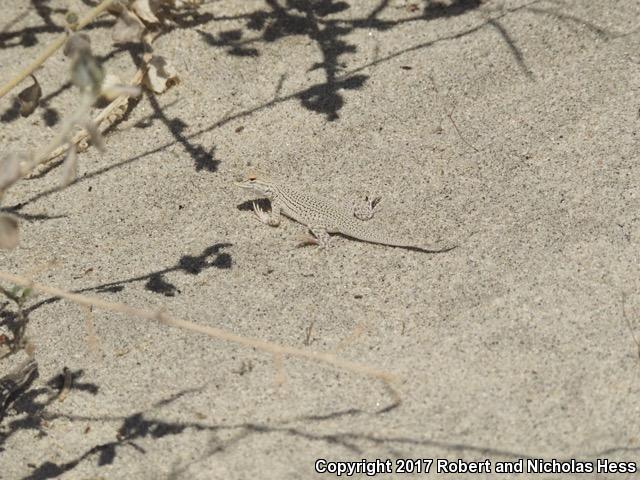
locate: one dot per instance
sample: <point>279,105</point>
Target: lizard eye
<point>252,178</point>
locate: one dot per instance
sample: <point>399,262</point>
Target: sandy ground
<point>517,345</point>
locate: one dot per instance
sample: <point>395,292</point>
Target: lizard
<point>321,216</point>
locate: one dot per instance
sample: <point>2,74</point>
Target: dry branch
<point>214,332</point>
<point>104,120</point>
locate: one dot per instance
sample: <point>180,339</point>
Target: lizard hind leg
<point>319,236</point>
<point>367,210</point>
<point>306,240</point>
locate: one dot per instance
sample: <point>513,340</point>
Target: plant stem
<point>215,332</point>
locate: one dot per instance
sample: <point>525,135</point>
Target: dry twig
<point>450,115</point>
<point>214,332</point>
<point>628,322</point>
<point>104,120</point>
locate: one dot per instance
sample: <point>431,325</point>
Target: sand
<point>509,127</point>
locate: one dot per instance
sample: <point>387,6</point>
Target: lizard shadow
<point>247,206</point>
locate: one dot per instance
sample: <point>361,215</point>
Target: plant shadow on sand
<point>133,429</point>
<point>316,21</point>
<point>277,20</point>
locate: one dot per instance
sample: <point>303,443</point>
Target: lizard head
<point>257,183</point>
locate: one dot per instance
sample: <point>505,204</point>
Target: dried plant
<point>278,351</point>
<point>18,326</point>
<point>137,21</point>
<point>29,98</point>
<point>87,75</point>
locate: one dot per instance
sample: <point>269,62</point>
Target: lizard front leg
<point>367,211</point>
<point>272,219</point>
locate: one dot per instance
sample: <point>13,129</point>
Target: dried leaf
<point>112,88</point>
<point>143,9</point>
<point>160,75</point>
<point>77,43</point>
<point>70,167</point>
<point>183,3</point>
<point>128,28</point>
<point>29,98</point>
<point>117,6</point>
<point>71,18</point>
<point>110,81</point>
<point>86,73</point>
<point>9,170</point>
<point>9,231</point>
<point>95,135</point>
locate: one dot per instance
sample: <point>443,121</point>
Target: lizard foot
<point>321,235</point>
<point>263,216</point>
<point>307,240</point>
<point>368,210</point>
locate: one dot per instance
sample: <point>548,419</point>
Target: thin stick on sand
<point>214,332</point>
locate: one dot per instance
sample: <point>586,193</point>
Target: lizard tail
<point>370,236</point>
<point>433,249</point>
